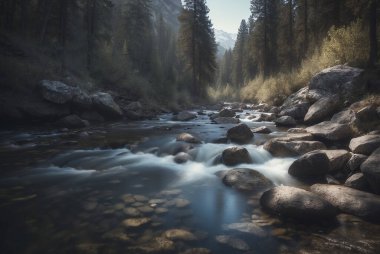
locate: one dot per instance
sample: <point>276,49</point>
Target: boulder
<point>354,163</point>
<point>72,122</point>
<point>81,101</point>
<point>357,181</point>
<point>297,130</point>
<point>322,109</point>
<point>227,113</point>
<point>340,80</point>
<point>262,130</point>
<point>365,144</point>
<point>184,116</point>
<point>235,155</point>
<point>226,120</point>
<point>182,157</point>
<point>188,138</point>
<point>368,114</point>
<point>297,98</point>
<point>240,134</point>
<point>280,148</point>
<point>371,170</point>
<point>351,201</point>
<point>297,111</point>
<point>338,159</point>
<point>266,117</point>
<point>285,121</point>
<point>296,203</point>
<point>56,92</point>
<point>92,116</point>
<point>331,131</point>
<point>309,165</point>
<point>347,116</point>
<point>246,180</point>
<point>106,106</point>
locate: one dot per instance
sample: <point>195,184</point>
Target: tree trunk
<point>373,33</point>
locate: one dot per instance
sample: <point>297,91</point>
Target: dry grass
<point>222,93</point>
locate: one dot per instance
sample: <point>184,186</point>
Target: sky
<point>226,15</point>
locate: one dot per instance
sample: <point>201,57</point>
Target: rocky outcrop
<point>235,155</point>
<point>285,121</point>
<point>297,203</point>
<point>371,170</point>
<point>240,134</point>
<point>322,109</point>
<point>365,144</point>
<point>188,138</point>
<point>245,179</point>
<point>331,131</point>
<point>106,106</point>
<point>310,165</point>
<point>351,201</point>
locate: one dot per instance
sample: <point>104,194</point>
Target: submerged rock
<point>262,130</point>
<point>246,179</point>
<point>233,242</point>
<point>182,157</point>
<point>240,134</point>
<point>297,203</point>
<point>235,155</point>
<point>188,138</point>
<point>184,116</point>
<point>179,234</point>
<point>136,222</point>
<point>312,164</point>
<point>247,227</point>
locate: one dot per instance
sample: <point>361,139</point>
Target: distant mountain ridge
<point>225,39</point>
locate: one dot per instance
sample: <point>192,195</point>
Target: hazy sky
<point>227,14</point>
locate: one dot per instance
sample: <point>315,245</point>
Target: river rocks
<point>331,131</point>
<point>188,138</point>
<point>56,92</point>
<point>357,181</point>
<point>233,242</point>
<point>106,106</point>
<point>285,121</point>
<point>351,201</point>
<point>226,120</point>
<point>81,101</point>
<point>235,155</point>
<point>338,159</point>
<point>179,234</point>
<point>72,122</point>
<point>296,203</point>
<point>297,111</point>
<point>312,164</point>
<point>240,134</point>
<point>262,130</point>
<point>355,161</point>
<point>322,109</point>
<point>368,114</point>
<point>227,113</point>
<point>280,148</point>
<point>342,80</point>
<point>136,222</point>
<point>371,170</point>
<point>182,157</point>
<point>365,144</point>
<point>347,116</point>
<point>246,179</point>
<point>247,227</point>
<point>197,251</point>
<point>297,98</point>
<point>184,116</point>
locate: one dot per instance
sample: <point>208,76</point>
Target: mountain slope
<point>224,39</point>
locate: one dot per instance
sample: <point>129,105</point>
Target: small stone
<point>145,209</point>
<point>131,211</point>
<point>161,210</point>
<point>136,222</point>
<point>233,242</point>
<point>179,234</point>
<point>140,198</point>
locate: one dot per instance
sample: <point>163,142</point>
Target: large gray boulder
<point>297,98</point>
<point>296,203</point>
<point>184,116</point>
<point>240,134</point>
<point>106,106</point>
<point>338,159</point>
<point>322,109</point>
<point>285,121</point>
<point>351,201</point>
<point>56,91</point>
<point>310,165</point>
<point>286,148</point>
<point>331,131</point>
<point>297,111</point>
<point>354,163</point>
<point>226,120</point>
<point>357,181</point>
<point>340,80</point>
<point>188,138</point>
<point>371,170</point>
<point>347,116</point>
<point>235,155</point>
<point>245,179</point>
<point>81,101</point>
<point>365,144</point>
<point>262,130</point>
<point>227,113</point>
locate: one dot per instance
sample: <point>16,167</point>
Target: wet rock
<point>371,170</point>
<point>181,203</point>
<point>117,235</point>
<point>72,122</point>
<point>161,210</point>
<point>266,117</point>
<point>226,120</point>
<point>56,92</point>
<point>227,113</point>
<point>179,234</point>
<point>157,245</point>
<point>240,134</point>
<point>357,181</point>
<point>296,203</point>
<point>355,161</point>
<point>297,130</point>
<point>309,165</point>
<point>136,222</point>
<point>233,242</point>
<point>365,144</point>
<point>246,179</point>
<point>280,148</point>
<point>197,251</point>
<point>331,131</point>
<point>351,201</point>
<point>323,108</point>
<point>235,155</point>
<point>297,98</point>
<point>189,138</point>
<point>285,121</point>
<point>184,116</point>
<point>262,130</point>
<point>140,198</point>
<point>106,106</point>
<point>297,111</point>
<point>338,159</point>
<point>182,157</point>
<point>146,209</point>
<point>132,211</point>
<point>247,227</point>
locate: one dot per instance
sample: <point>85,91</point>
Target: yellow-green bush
<point>220,93</point>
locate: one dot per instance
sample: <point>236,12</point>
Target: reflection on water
<point>117,189</point>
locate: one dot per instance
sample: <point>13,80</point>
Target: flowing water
<point>115,188</point>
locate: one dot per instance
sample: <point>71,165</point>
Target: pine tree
<point>239,56</point>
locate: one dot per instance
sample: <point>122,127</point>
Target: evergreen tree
<point>239,56</point>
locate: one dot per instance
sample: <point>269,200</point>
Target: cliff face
<point>169,9</point>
